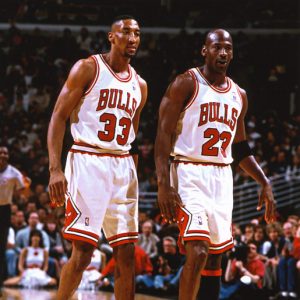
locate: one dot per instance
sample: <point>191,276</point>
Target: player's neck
<point>215,79</point>
<point>117,63</point>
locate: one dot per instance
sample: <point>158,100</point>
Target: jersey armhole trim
<point>96,75</point>
<point>196,90</point>
<point>240,95</point>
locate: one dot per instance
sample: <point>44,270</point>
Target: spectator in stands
<point>20,221</point>
<point>11,254</point>
<point>287,265</point>
<point>56,249</point>
<point>143,266</point>
<point>33,264</point>
<point>11,180</point>
<point>168,266</point>
<point>245,276</point>
<point>22,237</point>
<point>148,240</point>
<point>272,249</point>
<point>248,233</point>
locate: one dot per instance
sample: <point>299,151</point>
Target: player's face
<point>125,37</point>
<point>218,51</point>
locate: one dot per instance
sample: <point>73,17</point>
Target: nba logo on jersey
<point>87,221</point>
<point>199,220</point>
<point>233,96</point>
<point>133,86</point>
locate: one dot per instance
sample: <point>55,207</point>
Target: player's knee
<point>82,255</point>
<point>197,252</point>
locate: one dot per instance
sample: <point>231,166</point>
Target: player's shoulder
<point>185,81</point>
<point>85,65</point>
<point>13,170</point>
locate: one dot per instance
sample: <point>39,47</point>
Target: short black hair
<point>123,17</point>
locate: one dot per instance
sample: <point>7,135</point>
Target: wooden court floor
<point>25,294</point>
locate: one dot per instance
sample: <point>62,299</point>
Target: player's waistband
<point>187,160</point>
<point>84,148</point>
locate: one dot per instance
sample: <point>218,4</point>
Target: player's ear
<point>110,36</point>
<point>203,51</point>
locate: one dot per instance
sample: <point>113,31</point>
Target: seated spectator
<point>22,237</point>
<point>56,249</point>
<point>248,233</point>
<point>245,276</point>
<point>20,221</point>
<point>287,265</point>
<point>143,265</point>
<point>33,264</point>
<point>22,240</point>
<point>272,249</point>
<point>11,254</point>
<point>148,240</point>
<point>167,268</point>
<point>92,274</point>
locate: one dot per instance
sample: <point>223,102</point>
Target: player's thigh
<point>120,223</point>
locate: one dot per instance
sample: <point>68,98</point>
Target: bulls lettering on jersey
<point>207,126</point>
<point>103,118</point>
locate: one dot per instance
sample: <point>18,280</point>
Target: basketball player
<point>201,123</point>
<point>103,96</point>
<point>11,180</point>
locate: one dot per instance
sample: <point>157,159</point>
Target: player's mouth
<point>131,48</point>
<point>222,62</point>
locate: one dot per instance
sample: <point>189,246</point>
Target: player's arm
<point>80,77</point>
<point>136,118</point>
<point>172,104</point>
<point>248,163</point>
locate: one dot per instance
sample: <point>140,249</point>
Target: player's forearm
<point>251,167</point>
<point>55,138</point>
<point>162,152</point>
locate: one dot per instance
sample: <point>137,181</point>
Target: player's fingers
<point>260,201</point>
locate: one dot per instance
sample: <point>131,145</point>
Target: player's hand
<point>57,188</point>
<point>168,201</point>
<point>266,197</point>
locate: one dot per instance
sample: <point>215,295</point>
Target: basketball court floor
<point>31,294</point>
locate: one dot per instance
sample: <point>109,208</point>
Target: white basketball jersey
<point>207,125</point>
<point>103,117</point>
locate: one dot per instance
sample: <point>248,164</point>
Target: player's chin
<point>130,54</point>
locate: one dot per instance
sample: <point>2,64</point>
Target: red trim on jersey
<point>200,163</point>
<point>196,238</point>
<point>123,242</point>
<point>99,154</point>
<point>196,90</point>
<point>73,237</point>
<point>219,90</point>
<point>215,273</point>
<point>96,75</point>
<point>197,231</point>
<point>115,74</point>
<point>88,233</point>
<point>85,145</point>
<point>219,245</point>
<point>219,251</point>
<point>117,236</point>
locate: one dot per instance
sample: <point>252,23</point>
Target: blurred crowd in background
<point>33,68</point>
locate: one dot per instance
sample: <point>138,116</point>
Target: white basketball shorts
<point>102,193</point>
<point>207,194</point>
